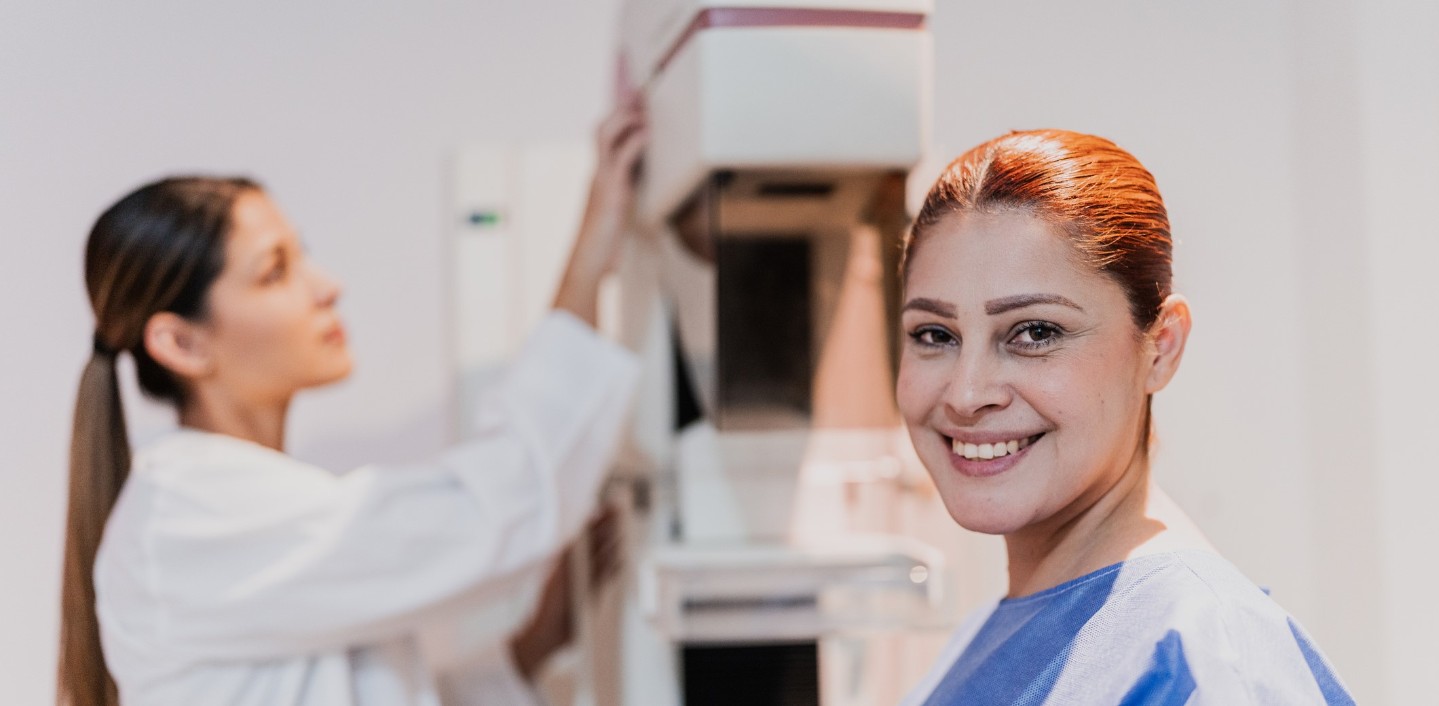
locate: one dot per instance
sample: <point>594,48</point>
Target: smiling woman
<point>1040,320</point>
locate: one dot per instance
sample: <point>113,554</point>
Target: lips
<point>989,450</point>
<point>335,335</point>
<point>982,457</point>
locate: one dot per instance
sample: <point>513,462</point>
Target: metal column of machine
<point>763,295</point>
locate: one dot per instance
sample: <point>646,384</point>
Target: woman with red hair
<point>1040,320</point>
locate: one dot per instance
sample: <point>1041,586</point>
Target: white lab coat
<point>234,574</point>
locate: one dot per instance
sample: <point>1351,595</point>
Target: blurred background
<point>1296,143</point>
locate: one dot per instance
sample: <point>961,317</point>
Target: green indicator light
<point>484,219</point>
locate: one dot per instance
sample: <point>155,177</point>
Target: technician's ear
<point>1167,337</point>
<point>179,345</point>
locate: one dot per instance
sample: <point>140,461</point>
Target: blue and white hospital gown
<point>1171,629</point>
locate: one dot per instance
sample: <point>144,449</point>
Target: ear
<point>1167,337</point>
<point>178,344</point>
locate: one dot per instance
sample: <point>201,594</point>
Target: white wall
<point>1398,100</point>
<point>1295,143</point>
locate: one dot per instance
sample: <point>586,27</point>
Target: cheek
<point>267,327</point>
<point>1093,395</point>
<point>917,388</point>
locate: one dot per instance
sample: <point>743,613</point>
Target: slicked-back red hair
<point>1098,194</point>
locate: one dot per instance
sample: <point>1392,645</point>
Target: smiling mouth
<point>989,452</point>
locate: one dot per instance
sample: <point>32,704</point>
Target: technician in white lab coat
<point>231,573</point>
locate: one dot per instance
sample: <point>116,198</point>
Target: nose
<point>976,386</point>
<point>325,287</point>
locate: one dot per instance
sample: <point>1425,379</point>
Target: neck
<point>1092,533</point>
<point>214,411</point>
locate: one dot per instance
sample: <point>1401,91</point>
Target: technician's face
<point>1022,377</point>
<point>271,327</point>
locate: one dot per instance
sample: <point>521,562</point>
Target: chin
<point>995,524</point>
<point>341,372</point>
<point>334,371</point>
<point>984,514</point>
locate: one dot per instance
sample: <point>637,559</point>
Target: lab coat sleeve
<point>272,560</point>
<point>492,678</point>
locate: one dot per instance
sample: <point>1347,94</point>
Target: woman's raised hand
<point>620,140</point>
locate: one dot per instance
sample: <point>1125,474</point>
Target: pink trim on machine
<point>790,17</point>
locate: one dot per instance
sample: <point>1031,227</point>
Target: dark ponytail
<point>99,463</point>
<point>158,249</point>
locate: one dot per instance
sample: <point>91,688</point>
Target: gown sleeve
<point>246,553</point>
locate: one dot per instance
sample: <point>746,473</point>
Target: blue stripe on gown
<point>1334,693</point>
<point>1167,681</point>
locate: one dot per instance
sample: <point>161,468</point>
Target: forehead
<point>256,225</point>
<point>969,258</point>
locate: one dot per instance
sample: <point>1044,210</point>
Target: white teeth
<point>985,452</point>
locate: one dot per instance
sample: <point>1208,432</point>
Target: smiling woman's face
<point>1023,377</point>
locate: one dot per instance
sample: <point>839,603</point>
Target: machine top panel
<point>652,30</point>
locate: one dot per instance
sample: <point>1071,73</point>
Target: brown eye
<point>1036,334</point>
<point>933,336</point>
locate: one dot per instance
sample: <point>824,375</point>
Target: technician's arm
<point>619,142</point>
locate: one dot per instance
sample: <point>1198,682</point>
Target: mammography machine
<point>772,499</point>
<point>767,452</point>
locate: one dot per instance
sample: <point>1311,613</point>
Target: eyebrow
<point>1019,301</point>
<point>992,307</point>
<point>933,306</point>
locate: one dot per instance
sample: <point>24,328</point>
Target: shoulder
<point>185,450</point>
<point>1203,620</point>
<point>1213,604</point>
<point>198,477</point>
<point>187,459</point>
<point>1193,584</point>
<point>194,498</point>
<point>1207,601</point>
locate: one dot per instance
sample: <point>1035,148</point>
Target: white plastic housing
<point>783,97</point>
<point>652,28</point>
